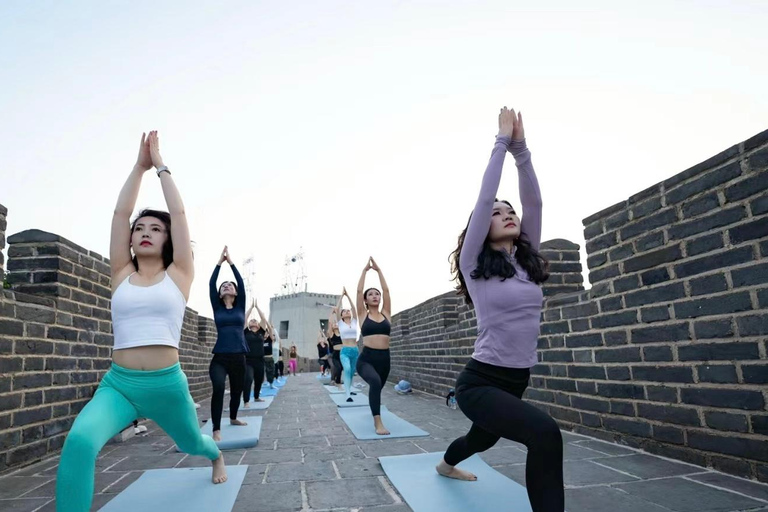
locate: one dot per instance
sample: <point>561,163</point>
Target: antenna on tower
<point>249,269</point>
<point>294,274</point>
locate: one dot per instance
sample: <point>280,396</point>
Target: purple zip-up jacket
<point>508,311</point>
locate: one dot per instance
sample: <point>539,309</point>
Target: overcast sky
<point>361,128</point>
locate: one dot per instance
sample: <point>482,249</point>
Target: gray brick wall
<point>56,340</point>
<point>3,227</point>
<point>668,349</point>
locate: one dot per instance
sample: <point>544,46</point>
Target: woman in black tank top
<point>334,340</point>
<point>373,364</point>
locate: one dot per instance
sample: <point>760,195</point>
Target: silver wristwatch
<point>162,168</point>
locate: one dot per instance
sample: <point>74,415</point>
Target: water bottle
<point>450,400</point>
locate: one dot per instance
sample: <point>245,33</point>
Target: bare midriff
<point>376,341</point>
<point>150,357</point>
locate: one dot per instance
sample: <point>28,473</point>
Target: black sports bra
<point>370,328</point>
<point>334,340</point>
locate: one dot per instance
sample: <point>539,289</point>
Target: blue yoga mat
<point>358,400</point>
<point>416,480</point>
<point>179,490</point>
<point>254,406</point>
<point>235,436</point>
<point>265,392</point>
<point>360,422</point>
<point>333,389</point>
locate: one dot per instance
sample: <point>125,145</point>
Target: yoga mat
<point>333,389</point>
<point>416,480</point>
<point>265,392</point>
<point>360,422</point>
<point>235,436</point>
<point>179,490</point>
<point>254,406</point>
<point>358,400</point>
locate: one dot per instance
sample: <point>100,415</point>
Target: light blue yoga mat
<point>235,436</point>
<point>358,400</point>
<point>333,389</point>
<point>265,392</point>
<point>416,480</point>
<point>254,406</point>
<point>360,422</point>
<point>182,489</point>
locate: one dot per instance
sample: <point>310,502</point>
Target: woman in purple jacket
<point>500,270</point>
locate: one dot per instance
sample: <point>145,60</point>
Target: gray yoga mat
<point>235,436</point>
<point>179,490</point>
<point>416,480</point>
<point>333,389</point>
<point>360,422</point>
<point>358,400</point>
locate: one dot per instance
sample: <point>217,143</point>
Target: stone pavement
<point>307,460</point>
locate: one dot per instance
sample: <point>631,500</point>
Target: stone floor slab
<point>358,468</point>
<point>352,492</point>
<point>753,489</point>
<point>297,471</point>
<point>647,466</point>
<point>683,495</point>
<point>279,497</point>
<point>272,456</point>
<point>606,499</point>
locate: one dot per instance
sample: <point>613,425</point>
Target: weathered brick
<point>704,204</point>
<point>755,373</point>
<point>620,390</point>
<point>736,446</point>
<point>583,340</point>
<point>708,284</point>
<point>715,261</point>
<point>654,334</point>
<point>660,353</point>
<point>650,241</point>
<point>614,319</point>
<point>662,373</point>
<point>749,231</point>
<point>668,434</point>
<point>658,294</point>
<point>586,372</point>
<point>721,373</point>
<point>719,219</point>
<point>654,276</point>
<point>722,304</point>
<point>720,328</point>
<point>669,414</point>
<point>661,218</point>
<point>747,187</point>
<point>718,351</point>
<point>750,276</point>
<point>707,181</point>
<point>753,325</point>
<point>706,243</point>
<point>726,421</point>
<point>727,398</point>
<point>618,373</point>
<point>617,355</point>
<point>631,427</point>
<point>662,394</point>
<point>653,258</point>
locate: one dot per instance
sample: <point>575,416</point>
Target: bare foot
<point>247,405</point>
<point>219,470</point>
<point>379,426</point>
<point>453,472</point>
<point>259,400</point>
<point>217,435</point>
<point>237,422</point>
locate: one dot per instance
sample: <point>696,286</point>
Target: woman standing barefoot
<point>500,270</point>
<point>229,352</point>
<point>373,365</point>
<point>149,295</point>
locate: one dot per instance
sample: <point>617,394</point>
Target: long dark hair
<point>491,262</point>
<point>365,295</point>
<point>165,218</point>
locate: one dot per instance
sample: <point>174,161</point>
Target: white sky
<point>360,127</point>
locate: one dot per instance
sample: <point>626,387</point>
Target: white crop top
<point>147,315</point>
<point>348,332</point>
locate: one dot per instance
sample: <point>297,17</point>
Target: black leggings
<point>269,369</point>
<point>373,367</point>
<point>254,376</point>
<point>221,366</point>
<point>336,375</point>
<point>490,396</point>
<point>279,367</point>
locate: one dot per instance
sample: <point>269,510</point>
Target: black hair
<point>365,294</point>
<point>165,218</point>
<point>234,284</point>
<point>491,262</point>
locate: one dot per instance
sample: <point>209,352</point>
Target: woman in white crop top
<point>152,271</point>
<point>348,332</point>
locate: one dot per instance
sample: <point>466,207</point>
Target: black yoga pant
<point>373,367</point>
<point>337,368</point>
<point>254,376</point>
<point>490,396</point>
<point>269,369</point>
<point>223,365</point>
<point>279,367</point>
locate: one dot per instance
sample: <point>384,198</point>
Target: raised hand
<point>507,121</point>
<point>229,258</point>
<point>223,256</point>
<point>519,132</point>
<point>154,149</point>
<point>144,160</point>
<point>373,264</point>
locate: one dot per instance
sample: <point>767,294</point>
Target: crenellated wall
<point>668,349</point>
<point>55,342</point>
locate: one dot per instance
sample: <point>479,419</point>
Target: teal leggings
<point>348,358</point>
<point>123,396</point>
